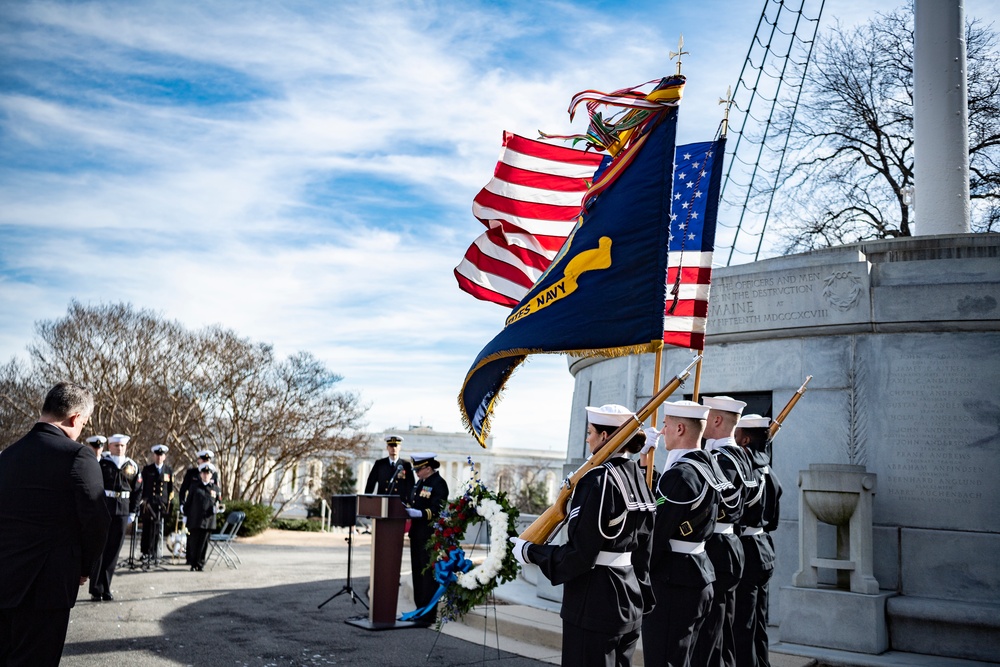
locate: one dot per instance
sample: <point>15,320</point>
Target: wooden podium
<point>388,525</point>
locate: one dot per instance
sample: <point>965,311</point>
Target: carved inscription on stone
<point>819,295</point>
<point>937,459</point>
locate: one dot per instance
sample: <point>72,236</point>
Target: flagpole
<point>696,389</point>
<point>655,418</point>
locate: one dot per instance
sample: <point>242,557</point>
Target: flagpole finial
<point>728,101</point>
<point>679,52</point>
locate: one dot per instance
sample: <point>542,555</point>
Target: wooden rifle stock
<point>780,419</point>
<point>545,526</point>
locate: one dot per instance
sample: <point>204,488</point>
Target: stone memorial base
<point>833,618</point>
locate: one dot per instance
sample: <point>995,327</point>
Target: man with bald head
<point>52,528</point>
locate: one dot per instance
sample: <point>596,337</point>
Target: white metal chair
<point>221,543</point>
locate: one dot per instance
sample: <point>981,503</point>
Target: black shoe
<point>95,597</point>
<point>108,597</point>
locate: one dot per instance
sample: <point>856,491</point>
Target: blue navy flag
<point>604,294</point>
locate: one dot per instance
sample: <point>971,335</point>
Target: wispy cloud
<point>303,172</point>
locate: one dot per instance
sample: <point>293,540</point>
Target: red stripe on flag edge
<point>682,339</point>
<point>686,308</point>
<point>540,179</point>
<point>552,152</point>
<point>482,293</point>
<point>690,275</point>
<point>524,209</point>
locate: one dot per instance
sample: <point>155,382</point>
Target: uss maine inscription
<point>789,298</point>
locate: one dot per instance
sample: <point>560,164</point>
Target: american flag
<point>693,214</point>
<point>529,208</point>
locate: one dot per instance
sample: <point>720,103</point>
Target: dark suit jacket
<point>380,478</point>
<point>53,521</point>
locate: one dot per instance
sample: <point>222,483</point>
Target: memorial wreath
<point>467,585</point>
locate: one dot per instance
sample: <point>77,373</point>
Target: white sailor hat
<point>393,440</point>
<point>159,449</point>
<point>421,459</point>
<point>724,403</point>
<point>119,438</point>
<point>609,415</point>
<point>97,441</point>
<point>688,409</point>
<point>753,421</point>
<point>204,454</point>
<point>207,466</point>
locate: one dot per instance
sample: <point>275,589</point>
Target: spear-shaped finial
<point>678,53</point>
<point>728,101</point>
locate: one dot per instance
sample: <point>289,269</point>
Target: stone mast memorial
<point>902,338</point>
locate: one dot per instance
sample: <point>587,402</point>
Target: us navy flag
<point>604,294</point>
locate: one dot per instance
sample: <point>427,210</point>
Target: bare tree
<point>853,136</point>
<point>212,389</point>
<point>20,401</point>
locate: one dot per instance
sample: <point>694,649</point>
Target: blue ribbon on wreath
<point>445,573</point>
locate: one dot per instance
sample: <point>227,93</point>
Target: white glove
<point>416,514</point>
<point>184,521</point>
<point>131,517</point>
<point>519,550</point>
<point>653,438</point>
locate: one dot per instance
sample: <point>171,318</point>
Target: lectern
<point>388,525</point>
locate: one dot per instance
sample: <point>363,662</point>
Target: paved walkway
<point>262,614</point>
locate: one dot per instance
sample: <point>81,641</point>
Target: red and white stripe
<point>685,317</point>
<point>529,207</point>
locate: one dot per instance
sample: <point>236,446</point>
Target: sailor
<point>760,518</point>
<point>604,563</point>
<point>157,481</point>
<point>97,443</point>
<point>687,497</point>
<point>391,475</point>
<point>201,506</point>
<point>716,647</point>
<point>121,477</point>
<point>430,493</point>
<point>192,474</point>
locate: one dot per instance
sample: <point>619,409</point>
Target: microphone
<point>395,476</point>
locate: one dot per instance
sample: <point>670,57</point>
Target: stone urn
<point>841,496</point>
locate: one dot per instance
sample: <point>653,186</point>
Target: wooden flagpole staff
<point>545,526</point>
<point>779,420</point>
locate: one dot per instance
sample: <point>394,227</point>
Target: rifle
<point>546,525</point>
<point>779,420</point>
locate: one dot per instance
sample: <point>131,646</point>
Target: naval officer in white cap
<point>688,495</point>
<point>604,563</point>
<point>760,517</point>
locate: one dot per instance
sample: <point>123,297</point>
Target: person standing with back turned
<point>52,528</point>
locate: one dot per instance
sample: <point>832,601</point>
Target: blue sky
<point>303,172</point>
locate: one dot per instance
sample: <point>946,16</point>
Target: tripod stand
<point>348,587</point>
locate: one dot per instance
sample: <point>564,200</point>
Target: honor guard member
<point>604,563</point>
<point>391,475</point>
<point>687,502</point>
<point>121,477</point>
<point>430,493</point>
<point>193,474</point>
<point>760,518</point>
<point>200,507</point>
<point>157,486</point>
<point>97,443</point>
<point>716,647</point>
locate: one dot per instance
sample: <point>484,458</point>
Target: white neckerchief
<point>715,443</point>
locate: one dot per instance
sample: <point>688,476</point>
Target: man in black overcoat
<point>157,487</point>
<point>52,528</point>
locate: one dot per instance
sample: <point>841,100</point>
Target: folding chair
<point>221,543</point>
